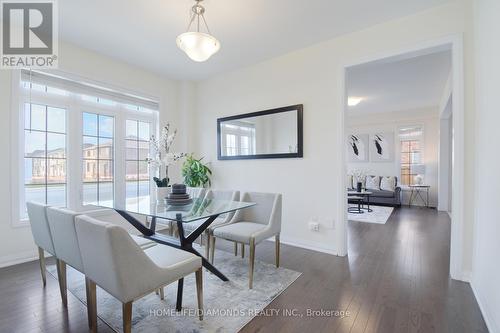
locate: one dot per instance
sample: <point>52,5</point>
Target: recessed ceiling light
<point>353,101</point>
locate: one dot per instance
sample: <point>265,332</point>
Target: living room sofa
<point>383,197</point>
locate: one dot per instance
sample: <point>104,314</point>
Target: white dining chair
<point>196,192</point>
<point>253,225</point>
<point>62,228</point>
<point>41,234</point>
<point>114,262</point>
<point>226,195</point>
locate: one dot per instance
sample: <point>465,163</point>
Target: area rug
<point>379,215</point>
<point>228,305</point>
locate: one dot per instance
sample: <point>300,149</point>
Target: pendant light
<point>199,46</point>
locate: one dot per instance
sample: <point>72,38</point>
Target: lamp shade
<point>198,46</point>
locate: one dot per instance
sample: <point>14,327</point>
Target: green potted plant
<point>195,172</point>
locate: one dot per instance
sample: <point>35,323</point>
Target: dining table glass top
<point>199,209</point>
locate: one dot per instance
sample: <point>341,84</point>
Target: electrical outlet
<point>314,226</point>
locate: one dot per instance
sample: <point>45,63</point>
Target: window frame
<point>420,138</point>
<point>152,130</point>
<point>75,107</point>
<point>48,103</point>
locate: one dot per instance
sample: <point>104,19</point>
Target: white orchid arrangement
<point>162,157</point>
<point>358,173</point>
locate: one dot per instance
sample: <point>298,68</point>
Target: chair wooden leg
<point>243,250</point>
<point>127,317</point>
<point>91,304</point>
<point>171,228</point>
<point>61,277</point>
<point>212,250</point>
<point>251,262</point>
<point>277,244</point>
<point>41,259</point>
<point>235,248</point>
<point>162,293</point>
<point>199,291</point>
<point>207,246</point>
<point>157,291</point>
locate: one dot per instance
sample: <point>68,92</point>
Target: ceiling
<point>404,83</point>
<point>143,32</point>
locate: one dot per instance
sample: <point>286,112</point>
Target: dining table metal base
<point>183,243</point>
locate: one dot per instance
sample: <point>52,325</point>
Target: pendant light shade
<point>199,46</point>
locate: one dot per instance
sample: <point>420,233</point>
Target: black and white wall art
<point>382,147</point>
<point>357,148</point>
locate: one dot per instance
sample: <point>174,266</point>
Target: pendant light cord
<point>196,15</point>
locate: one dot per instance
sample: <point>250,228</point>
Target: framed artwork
<point>382,147</point>
<point>357,148</point>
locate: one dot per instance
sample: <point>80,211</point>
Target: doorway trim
<point>455,41</point>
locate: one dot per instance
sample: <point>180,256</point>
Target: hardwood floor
<point>395,279</point>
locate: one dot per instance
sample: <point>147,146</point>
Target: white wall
<point>486,272</point>
<point>311,76</point>
<point>445,159</point>
<point>16,244</point>
<point>391,122</point>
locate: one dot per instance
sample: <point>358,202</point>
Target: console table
<point>416,192</point>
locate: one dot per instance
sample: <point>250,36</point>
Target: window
<point>44,155</point>
<point>411,153</point>
<point>231,147</point>
<point>73,149</point>
<point>238,138</point>
<point>136,168</point>
<point>98,166</point>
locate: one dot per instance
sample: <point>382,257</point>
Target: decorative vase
<point>359,186</point>
<point>161,194</point>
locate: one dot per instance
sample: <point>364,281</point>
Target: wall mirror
<point>275,133</point>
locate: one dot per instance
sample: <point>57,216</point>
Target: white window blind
<point>87,91</point>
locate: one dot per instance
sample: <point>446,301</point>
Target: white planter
<point>161,194</point>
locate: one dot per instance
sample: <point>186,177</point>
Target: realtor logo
<point>29,34</point>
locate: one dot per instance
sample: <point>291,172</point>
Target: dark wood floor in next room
<point>395,279</point>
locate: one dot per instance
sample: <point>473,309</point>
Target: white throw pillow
<point>349,181</point>
<point>372,183</point>
<point>388,183</point>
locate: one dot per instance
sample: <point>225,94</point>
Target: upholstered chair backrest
<point>62,228</point>
<point>226,195</point>
<point>37,214</point>
<point>196,192</point>
<point>267,208</point>
<point>112,259</point>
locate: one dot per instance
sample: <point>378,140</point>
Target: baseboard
<point>493,327</point>
<point>18,258</point>
<point>466,276</point>
<point>298,243</point>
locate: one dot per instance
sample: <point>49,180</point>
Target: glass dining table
<point>200,209</point>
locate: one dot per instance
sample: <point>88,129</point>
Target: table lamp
<point>419,171</point>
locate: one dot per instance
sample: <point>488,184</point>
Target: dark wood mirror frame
<point>298,154</point>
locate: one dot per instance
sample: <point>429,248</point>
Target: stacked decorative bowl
<point>178,196</point>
